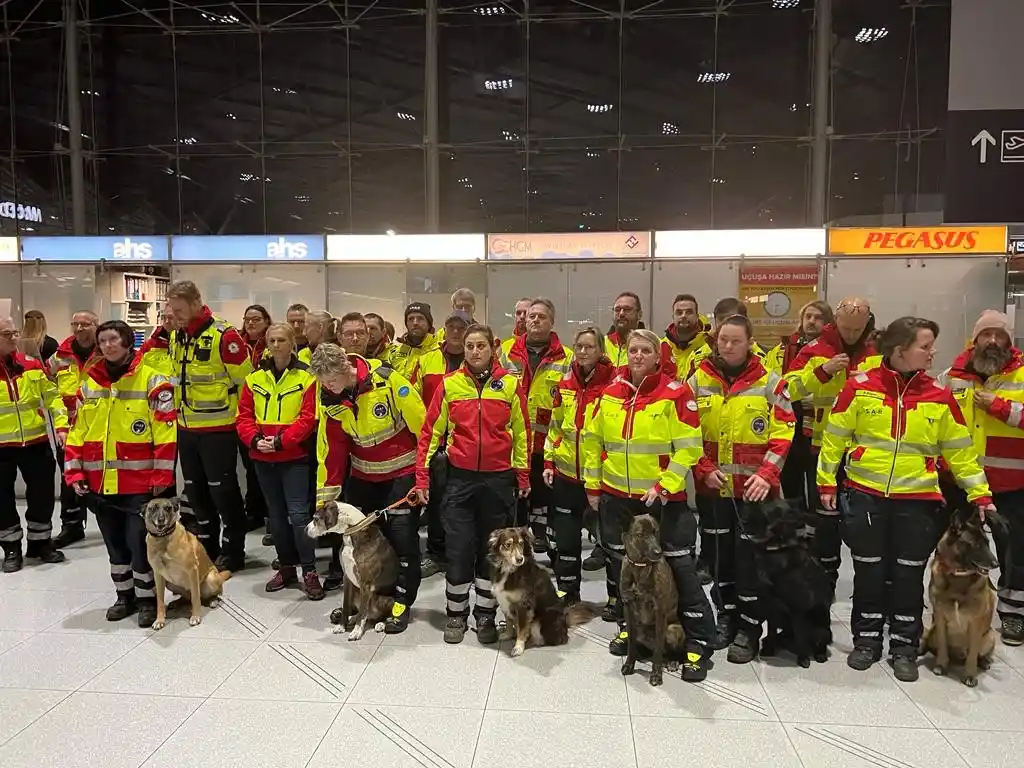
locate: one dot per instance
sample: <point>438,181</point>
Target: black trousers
<point>401,527</point>
<point>890,539</point>
<point>285,486</point>
<point>678,540</point>
<point>72,512</point>
<point>730,559</point>
<point>121,523</point>
<point>568,506</point>
<point>797,486</point>
<point>209,462</point>
<point>36,464</point>
<point>475,505</point>
<point>435,525</point>
<point>255,501</point>
<point>827,543</point>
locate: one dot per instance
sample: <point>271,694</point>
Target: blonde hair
<point>327,322</point>
<point>286,330</point>
<point>649,336</point>
<point>186,290</point>
<point>328,359</point>
<point>596,333</point>
<point>33,334</point>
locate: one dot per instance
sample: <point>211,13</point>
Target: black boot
<point>12,557</point>
<point>70,533</point>
<point>124,607</point>
<point>44,551</point>
<point>147,611</point>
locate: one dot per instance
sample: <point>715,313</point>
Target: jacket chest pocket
<point>752,418</point>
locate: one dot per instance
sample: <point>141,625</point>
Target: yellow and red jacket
<point>372,427</point>
<point>68,369</point>
<point>211,361</point>
<point>430,370</point>
<point>124,438</point>
<point>893,431</point>
<point>258,351</point>
<point>574,403</point>
<point>615,348</point>
<point>156,353</point>
<point>747,426</point>
<point>641,438</point>
<point>482,423</point>
<point>540,385</point>
<point>779,359</point>
<point>677,356</point>
<point>283,408</point>
<point>26,394</point>
<point>809,382</point>
<point>402,357</point>
<point>998,434</point>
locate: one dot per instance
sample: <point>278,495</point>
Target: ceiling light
<point>87,92</point>
<point>220,18</point>
<point>302,198</point>
<point>713,77</point>
<point>231,116</point>
<point>784,4</point>
<point>599,108</point>
<point>871,34</point>
<point>510,135</point>
<point>669,129</point>
<point>186,140</point>
<point>717,180</point>
<point>251,177</point>
<point>389,232</point>
<point>490,10</point>
<point>498,85</point>
<point>405,116</point>
<point>593,153</point>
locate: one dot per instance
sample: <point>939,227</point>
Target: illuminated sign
<point>11,210</point>
<point>8,249</point>
<point>571,245</point>
<point>725,243</point>
<point>438,248</point>
<point>105,248</point>
<point>921,241</point>
<point>247,248</point>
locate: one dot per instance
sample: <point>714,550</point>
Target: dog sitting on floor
<point>534,614</point>
<point>962,597</point>
<point>650,599</point>
<point>369,562</point>
<point>794,589</point>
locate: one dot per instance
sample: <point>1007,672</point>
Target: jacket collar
<point>429,341</point>
<point>16,364</point>
<point>753,371</point>
<point>602,374</point>
<point>67,349</point>
<point>267,364</point>
<point>200,322</point>
<point>553,351</point>
<point>960,370</point>
<point>648,385</point>
<point>101,374</point>
<point>496,370</point>
<point>672,334</point>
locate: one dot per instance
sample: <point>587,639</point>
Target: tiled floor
<point>263,681</point>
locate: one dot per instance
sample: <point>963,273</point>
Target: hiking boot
<point>743,649</point>
<point>70,533</point>
<point>12,558</point>
<point>904,668</point>
<point>123,607</point>
<point>619,645</point>
<point>430,566</point>
<point>1012,630</point>
<point>267,540</point>
<point>147,611</point>
<point>229,563</point>
<point>311,586</point>
<point>333,582</point>
<point>285,577</point>
<point>44,551</point>
<point>540,544</point>
<point>862,657</point>
<point>398,621</point>
<point>612,611</point>
<point>704,573</point>
<point>725,631</point>
<point>695,668</point>
<point>486,630</point>
<point>595,561</point>
<point>455,629</point>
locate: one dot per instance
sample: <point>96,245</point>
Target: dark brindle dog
<point>649,597</point>
<point>794,589</point>
<point>534,614</point>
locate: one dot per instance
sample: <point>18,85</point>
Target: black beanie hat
<point>423,309</point>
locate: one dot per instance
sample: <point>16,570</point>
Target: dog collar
<point>635,564</point>
<point>162,533</point>
<point>363,524</point>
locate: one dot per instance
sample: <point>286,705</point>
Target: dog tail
<point>675,638</point>
<point>581,613</point>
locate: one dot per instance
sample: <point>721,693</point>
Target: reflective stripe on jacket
<point>282,408</point>
<point>893,432</point>
<point>68,370</point>
<point>540,385</point>
<point>26,394</point>
<point>676,356</point>
<point>998,433</point>
<point>574,403</point>
<point>124,438</point>
<point>641,438</point>
<point>402,357</point>
<point>485,423</point>
<point>779,359</point>
<point>747,426</point>
<point>372,427</point>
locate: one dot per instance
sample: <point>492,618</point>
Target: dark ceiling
<point>555,115</point>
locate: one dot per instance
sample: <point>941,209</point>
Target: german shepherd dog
<point>370,565</point>
<point>794,589</point>
<point>534,614</point>
<point>649,597</point>
<point>962,597</point>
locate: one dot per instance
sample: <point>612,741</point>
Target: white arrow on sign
<point>984,138</point>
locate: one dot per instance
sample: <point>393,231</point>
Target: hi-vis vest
<point>541,386</point>
<point>402,357</point>
<point>124,438</point>
<point>156,355</point>
<point>574,404</point>
<point>207,388</point>
<point>677,362</point>
<point>69,372</point>
<point>747,426</point>
<point>25,395</point>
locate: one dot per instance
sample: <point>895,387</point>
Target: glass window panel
<point>593,287</point>
<point>483,190</point>
<point>760,185</point>
<point>388,191</point>
<point>10,293</point>
<point>365,288</point>
<point>667,188</point>
<point>708,281</point>
<point>587,203</point>
<point>507,283</point>
<point>60,291</point>
<point>435,283</point>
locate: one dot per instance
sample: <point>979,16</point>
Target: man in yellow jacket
<point>684,338</point>
<point>419,339</point>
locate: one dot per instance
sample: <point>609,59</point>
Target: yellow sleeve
<point>592,448</point>
<point>837,437</point>
<point>53,402</point>
<point>408,401</point>
<point>555,433</point>
<point>239,372</point>
<point>957,448</point>
<point>332,449</point>
<point>431,434</point>
<point>687,443</point>
<point>781,428</point>
<point>520,424</point>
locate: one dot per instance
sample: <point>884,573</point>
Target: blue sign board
<point>129,248</point>
<point>233,248</point>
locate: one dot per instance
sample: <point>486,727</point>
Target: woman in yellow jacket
<point>894,423</point>
<point>643,437</point>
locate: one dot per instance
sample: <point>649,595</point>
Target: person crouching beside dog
<point>480,411</point>
<point>643,437</point>
<point>747,422</point>
<point>119,455</point>
<point>370,417</point>
<point>894,423</point>
<point>276,418</point>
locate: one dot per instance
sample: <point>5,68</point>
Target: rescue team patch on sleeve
<point>403,391</point>
<point>691,404</point>
<point>380,410</point>
<point>497,385</point>
<point>165,396</point>
<point>233,348</point>
<point>759,425</point>
<point>138,427</point>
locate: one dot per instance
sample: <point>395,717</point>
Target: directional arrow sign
<point>984,138</point>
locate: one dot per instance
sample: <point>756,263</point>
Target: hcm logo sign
<point>284,249</point>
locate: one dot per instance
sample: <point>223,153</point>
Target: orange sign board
<point>920,241</point>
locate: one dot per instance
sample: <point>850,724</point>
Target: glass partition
<point>10,293</point>
<point>708,281</point>
<point>365,288</point>
<point>60,291</point>
<point>593,287</point>
<point>509,282</point>
<point>435,283</point>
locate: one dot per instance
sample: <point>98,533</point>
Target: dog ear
<point>176,505</point>
<point>528,535</point>
<point>492,540</point>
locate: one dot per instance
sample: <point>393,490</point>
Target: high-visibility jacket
<point>124,438</point>
<point>68,369</point>
<point>211,361</point>
<point>615,348</point>
<point>574,403</point>
<point>381,352</point>
<point>539,385</point>
<point>677,356</point>
<point>809,382</point>
<point>707,350</point>
<point>25,395</point>
<point>779,359</point>
<point>282,407</point>
<point>373,427</point>
<point>431,369</point>
<point>893,432</point>
<point>998,433</point>
<point>747,426</point>
<point>156,354</point>
<point>641,438</point>
<point>402,357</point>
<point>482,424</point>
<point>258,351</point>
<point>504,347</point>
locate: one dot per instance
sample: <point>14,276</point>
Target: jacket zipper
<point>899,430</point>
<point>629,431</point>
<point>12,390</point>
<point>479,427</point>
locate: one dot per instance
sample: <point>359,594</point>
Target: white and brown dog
<point>369,562</point>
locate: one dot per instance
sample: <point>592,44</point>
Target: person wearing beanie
<point>987,380</point>
<point>419,339</point>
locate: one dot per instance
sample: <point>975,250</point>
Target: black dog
<point>795,591</point>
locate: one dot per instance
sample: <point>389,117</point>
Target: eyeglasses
<point>86,324</point>
<point>9,335</point>
<point>353,334</point>
<point>254,320</point>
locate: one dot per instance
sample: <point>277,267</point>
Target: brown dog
<point>963,599</point>
<point>533,611</point>
<point>649,597</point>
<point>179,562</point>
<point>369,562</point>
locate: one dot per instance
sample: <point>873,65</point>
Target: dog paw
<point>506,633</point>
<point>821,657</point>
<point>378,627</point>
<point>195,621</point>
<point>656,678</point>
<point>969,680</point>
<point>518,649</point>
<point>159,624</point>
<point>804,661</point>
<point>355,634</point>
<point>984,662</point>
<point>338,629</point>
<point>672,666</point>
<point>939,669</point>
<point>215,603</point>
<point>628,668</point>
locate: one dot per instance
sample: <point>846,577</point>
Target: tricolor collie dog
<point>369,562</point>
<point>534,613</point>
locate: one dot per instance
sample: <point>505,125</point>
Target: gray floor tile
<point>841,746</point>
<point>731,692</point>
<point>984,749</point>
<point>234,618</point>
<point>568,739</point>
<point>19,708</point>
<point>9,639</point>
<point>553,681</point>
<point>32,610</point>
<point>61,661</point>
<point>663,742</point>
<point>91,619</point>
<point>309,622</point>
